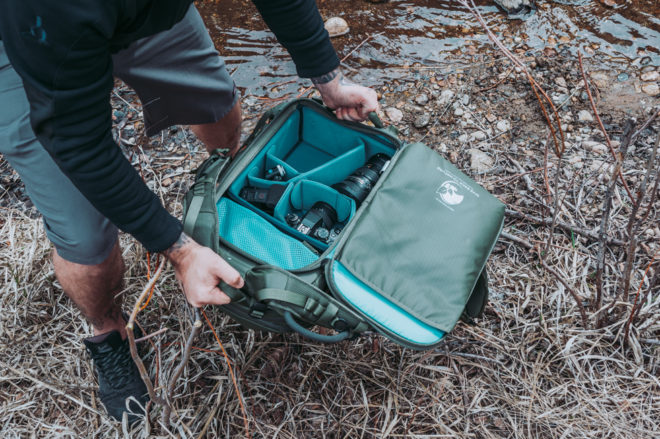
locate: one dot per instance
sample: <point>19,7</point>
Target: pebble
<point>445,97</point>
<point>576,161</point>
<point>561,82</point>
<point>622,77</point>
<point>595,147</point>
<point>463,138</point>
<point>422,120</point>
<point>458,112</point>
<point>599,78</point>
<point>394,114</point>
<point>503,125</point>
<point>480,161</point>
<point>336,26</point>
<point>651,89</point>
<point>422,99</point>
<point>585,116</point>
<point>166,182</point>
<point>478,135</point>
<point>650,76</point>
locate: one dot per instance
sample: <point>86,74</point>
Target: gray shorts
<point>180,79</point>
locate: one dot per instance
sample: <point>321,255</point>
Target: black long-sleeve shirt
<point>62,51</point>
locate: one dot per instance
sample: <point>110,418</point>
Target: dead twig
<point>600,123</point>
<point>567,227</point>
<point>633,224</point>
<point>131,338</point>
<point>197,325</point>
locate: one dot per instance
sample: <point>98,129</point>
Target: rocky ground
<point>544,361</point>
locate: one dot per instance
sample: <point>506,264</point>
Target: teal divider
<point>302,195</point>
<point>339,168</point>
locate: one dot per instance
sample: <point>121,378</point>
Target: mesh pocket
<point>255,235</point>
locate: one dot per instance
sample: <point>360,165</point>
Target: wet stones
<point>336,26</point>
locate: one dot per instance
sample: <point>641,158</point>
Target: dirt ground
<point>546,360</point>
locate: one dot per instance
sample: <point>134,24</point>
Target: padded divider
<point>339,168</point>
<point>303,195</point>
<point>255,235</point>
<point>381,310</point>
<point>330,135</point>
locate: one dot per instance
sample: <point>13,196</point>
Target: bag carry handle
<point>295,326</point>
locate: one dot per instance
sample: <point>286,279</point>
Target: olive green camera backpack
<point>407,263</point>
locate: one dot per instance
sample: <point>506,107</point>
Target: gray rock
<point>394,114</point>
<point>478,135</point>
<point>516,7</point>
<point>445,97</point>
<point>595,147</point>
<point>458,112</point>
<point>585,116</point>
<point>336,26</point>
<point>503,125</point>
<point>463,138</point>
<point>560,81</point>
<point>651,89</point>
<point>650,76</point>
<point>422,99</point>
<point>480,161</point>
<point>422,120</point>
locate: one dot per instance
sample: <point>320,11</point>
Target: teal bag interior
<point>383,311</point>
<point>251,233</point>
<point>316,152</point>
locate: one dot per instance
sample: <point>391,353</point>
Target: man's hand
<point>200,270</point>
<point>350,101</point>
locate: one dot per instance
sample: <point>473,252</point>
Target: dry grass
<point>527,369</point>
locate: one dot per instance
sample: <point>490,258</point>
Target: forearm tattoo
<point>183,240</point>
<point>324,79</point>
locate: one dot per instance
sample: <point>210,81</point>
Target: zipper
<point>377,326</point>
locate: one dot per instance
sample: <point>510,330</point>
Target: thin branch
<point>633,225</point>
<point>600,123</point>
<point>567,227</point>
<point>197,325</point>
<point>131,338</point>
<point>635,308</point>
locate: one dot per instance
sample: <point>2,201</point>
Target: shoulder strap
<point>200,216</point>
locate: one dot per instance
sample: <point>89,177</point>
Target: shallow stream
<point>436,33</point>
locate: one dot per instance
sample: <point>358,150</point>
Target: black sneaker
<point>118,376</point>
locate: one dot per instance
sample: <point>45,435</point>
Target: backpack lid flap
<point>422,237</point>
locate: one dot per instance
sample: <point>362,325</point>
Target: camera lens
<point>358,185</point>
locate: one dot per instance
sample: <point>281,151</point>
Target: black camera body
<point>319,222</point>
